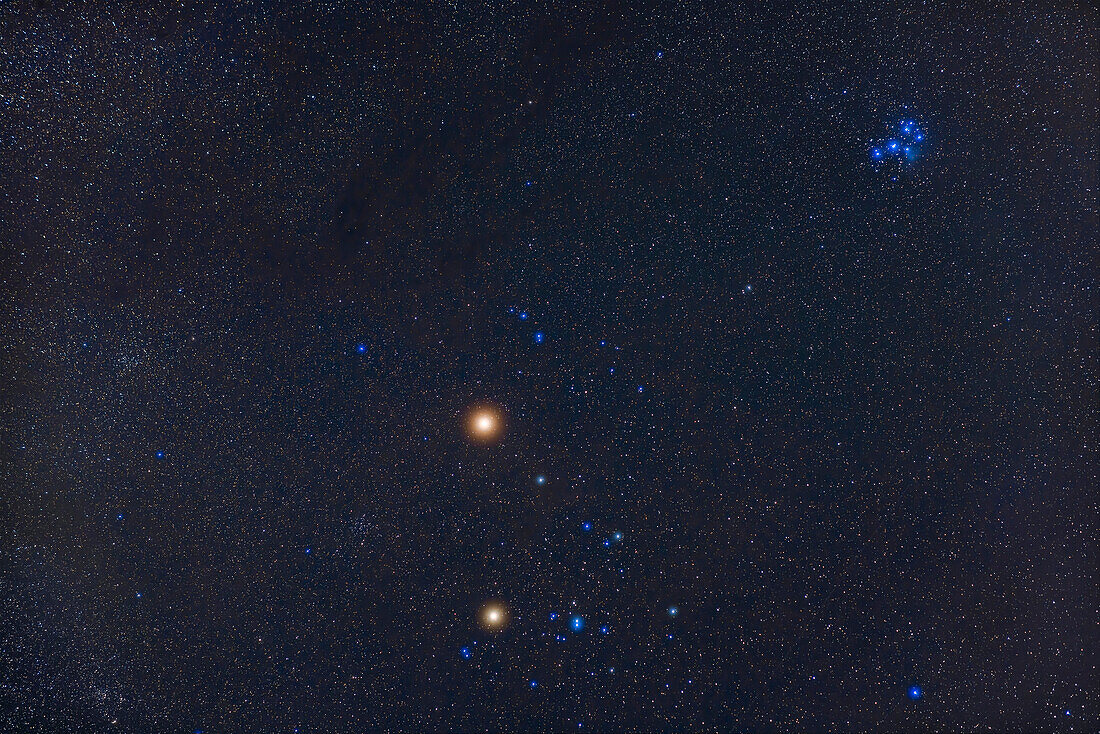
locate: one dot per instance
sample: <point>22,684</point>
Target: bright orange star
<point>493,616</point>
<point>484,423</point>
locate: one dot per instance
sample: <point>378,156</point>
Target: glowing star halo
<point>484,423</point>
<point>493,616</point>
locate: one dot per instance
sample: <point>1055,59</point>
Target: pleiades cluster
<point>906,146</point>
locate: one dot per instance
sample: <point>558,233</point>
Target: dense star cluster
<point>376,366</point>
<point>906,146</point>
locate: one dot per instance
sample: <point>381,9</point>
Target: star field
<point>530,367</point>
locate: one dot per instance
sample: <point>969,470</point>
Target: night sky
<point>463,366</point>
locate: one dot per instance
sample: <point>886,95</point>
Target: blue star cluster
<point>905,146</point>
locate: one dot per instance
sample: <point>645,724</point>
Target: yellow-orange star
<point>493,616</point>
<point>485,423</point>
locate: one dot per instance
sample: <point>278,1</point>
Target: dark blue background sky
<point>257,262</point>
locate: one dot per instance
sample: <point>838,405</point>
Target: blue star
<point>465,652</point>
<point>138,595</point>
<point>533,684</point>
<point>660,54</point>
<point>523,316</point>
<point>893,145</point>
<point>673,611</point>
<point>641,388</point>
<point>539,336</point>
<point>576,623</point>
<point>607,544</point>
<point>528,183</point>
<point>915,692</point>
<point>586,526</point>
<point>919,137</point>
<point>361,348</point>
<point>617,536</point>
<point>160,454</point>
<point>876,153</point>
<point>120,516</point>
<point>553,616</point>
<point>308,551</point>
<point>605,629</point>
<point>540,479</point>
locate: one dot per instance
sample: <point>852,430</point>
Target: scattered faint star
<point>311,180</point>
